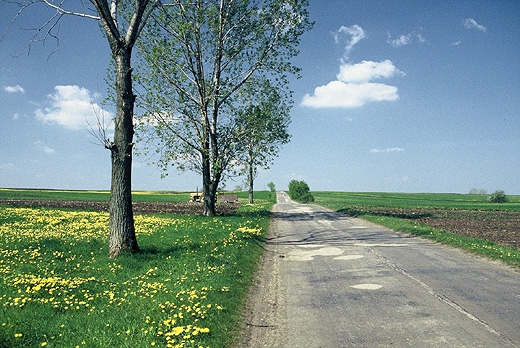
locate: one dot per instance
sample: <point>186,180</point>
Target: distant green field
<point>340,200</point>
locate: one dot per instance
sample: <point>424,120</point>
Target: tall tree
<point>198,55</point>
<point>262,128</point>
<point>122,28</point>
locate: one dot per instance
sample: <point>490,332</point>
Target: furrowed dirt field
<point>501,227</point>
<point>138,207</point>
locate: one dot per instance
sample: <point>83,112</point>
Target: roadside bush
<point>307,198</point>
<point>498,196</point>
<point>299,191</point>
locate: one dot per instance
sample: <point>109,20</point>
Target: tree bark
<point>251,179</point>
<point>122,231</point>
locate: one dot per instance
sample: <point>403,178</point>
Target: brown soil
<point>499,226</point>
<point>138,207</point>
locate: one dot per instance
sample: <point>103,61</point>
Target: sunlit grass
<point>185,289</point>
<point>339,200</point>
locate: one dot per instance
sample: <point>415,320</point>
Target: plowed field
<point>498,226</point>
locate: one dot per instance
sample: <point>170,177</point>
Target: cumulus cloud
<point>43,147</point>
<point>387,150</point>
<point>349,95</point>
<point>353,88</point>
<point>72,107</point>
<point>470,23</point>
<point>366,71</point>
<point>14,89</point>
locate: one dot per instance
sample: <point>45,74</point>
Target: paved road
<point>337,281</point>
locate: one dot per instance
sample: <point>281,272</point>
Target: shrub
<point>498,196</point>
<point>307,198</point>
<point>299,191</point>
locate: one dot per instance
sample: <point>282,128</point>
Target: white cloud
<point>14,89</point>
<point>366,71</point>
<point>72,107</point>
<point>387,150</point>
<point>349,95</point>
<point>42,146</point>
<point>456,43</point>
<point>353,35</point>
<point>404,40</point>
<point>353,87</point>
<point>470,23</point>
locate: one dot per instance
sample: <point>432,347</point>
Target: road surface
<point>329,280</point>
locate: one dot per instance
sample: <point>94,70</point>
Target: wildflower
<point>16,335</point>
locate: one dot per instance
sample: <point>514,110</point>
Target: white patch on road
<point>308,255</point>
<point>381,244</point>
<point>367,286</point>
<point>357,227</point>
<point>348,257</point>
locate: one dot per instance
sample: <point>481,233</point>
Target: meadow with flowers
<point>185,289</point>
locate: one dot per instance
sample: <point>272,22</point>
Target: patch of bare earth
<point>138,207</point>
<point>499,226</point>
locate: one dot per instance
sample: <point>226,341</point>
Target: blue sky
<point>395,96</point>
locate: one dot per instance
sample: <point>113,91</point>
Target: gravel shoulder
<point>264,311</point>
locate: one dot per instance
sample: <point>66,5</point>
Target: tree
<point>498,196</point>
<point>197,56</point>
<point>122,29</point>
<point>263,128</point>
<point>300,191</point>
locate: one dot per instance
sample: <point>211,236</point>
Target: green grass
<point>186,288</point>
<point>359,204</point>
<point>338,200</point>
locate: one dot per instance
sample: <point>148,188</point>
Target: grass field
<point>381,208</point>
<point>185,289</point>
<point>340,200</point>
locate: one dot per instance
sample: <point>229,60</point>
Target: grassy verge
<point>356,203</point>
<point>185,289</point>
<point>477,246</point>
<point>340,200</point>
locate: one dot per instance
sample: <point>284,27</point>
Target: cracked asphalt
<point>330,280</point>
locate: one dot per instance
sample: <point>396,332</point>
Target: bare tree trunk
<point>251,178</point>
<point>122,232</point>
